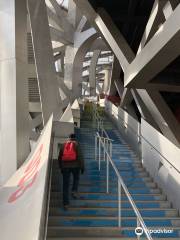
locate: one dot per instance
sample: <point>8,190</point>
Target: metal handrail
<point>140,221</point>
<point>142,137</point>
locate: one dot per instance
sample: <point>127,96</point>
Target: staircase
<point>94,216</point>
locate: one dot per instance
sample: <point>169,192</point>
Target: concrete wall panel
<point>162,160</point>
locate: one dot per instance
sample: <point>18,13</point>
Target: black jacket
<point>78,163</point>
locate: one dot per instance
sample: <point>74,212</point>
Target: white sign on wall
<point>21,197</point>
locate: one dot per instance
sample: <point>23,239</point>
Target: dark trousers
<point>66,182</point>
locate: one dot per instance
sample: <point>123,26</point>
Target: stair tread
<point>112,228</point>
<point>106,238</point>
<point>113,209</point>
<point>114,218</point>
<point>107,200</point>
<point>111,194</point>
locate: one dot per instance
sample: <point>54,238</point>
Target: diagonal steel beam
<point>110,33</point>
<point>162,114</point>
<point>53,19</point>
<point>59,36</point>
<point>156,18</point>
<point>59,49</point>
<point>115,78</point>
<point>155,56</point>
<point>143,109</point>
<point>81,24</point>
<point>127,98</point>
<point>62,15</point>
<point>114,39</point>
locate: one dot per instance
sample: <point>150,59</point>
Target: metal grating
<point>34,95</point>
<point>30,49</point>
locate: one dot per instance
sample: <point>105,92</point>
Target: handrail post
<point>108,146</point>
<point>107,174</point>
<point>99,154</point>
<point>104,149</point>
<point>119,203</point>
<point>110,150</point>
<point>95,147</point>
<point>138,225</point>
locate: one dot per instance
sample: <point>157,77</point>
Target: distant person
<point>70,161</point>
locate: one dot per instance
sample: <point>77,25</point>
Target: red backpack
<point>69,152</point>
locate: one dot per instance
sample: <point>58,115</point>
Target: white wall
<point>128,126</point>
<point>22,197</point>
<point>161,158</point>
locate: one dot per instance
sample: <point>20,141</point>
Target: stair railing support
<point>138,225</point>
<point>99,154</point>
<point>96,142</point>
<point>119,203</point>
<point>104,141</point>
<point>110,148</point>
<point>107,174</point>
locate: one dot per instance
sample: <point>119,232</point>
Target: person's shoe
<point>75,195</point>
<point>65,207</point>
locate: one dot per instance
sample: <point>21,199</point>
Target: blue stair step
<point>136,197</point>
<point>109,203</point>
<point>112,186</point>
<point>103,189</point>
<point>111,212</point>
<point>113,233</point>
<point>108,221</point>
<point>96,176</point>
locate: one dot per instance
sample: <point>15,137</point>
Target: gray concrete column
<point>14,122</point>
<point>107,80</point>
<point>74,58</point>
<point>74,14</point>
<point>78,62</point>
<point>92,72</point>
<point>68,67</point>
<point>116,84</point>
<point>46,72</point>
